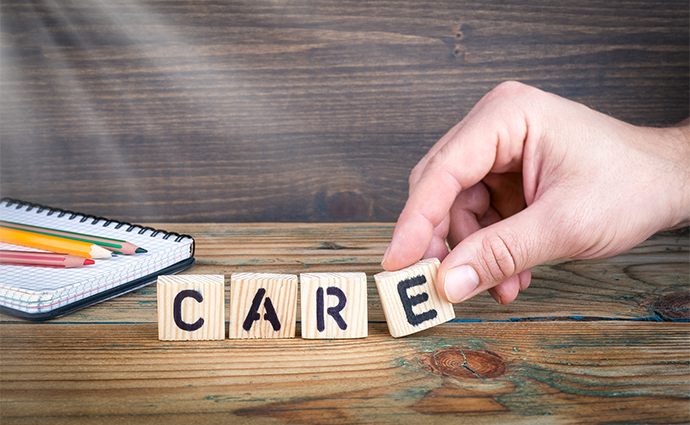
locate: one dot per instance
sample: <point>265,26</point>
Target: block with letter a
<point>334,305</point>
<point>263,305</point>
<point>410,300</point>
<point>191,307</point>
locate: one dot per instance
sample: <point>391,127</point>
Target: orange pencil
<point>52,243</point>
<point>42,259</point>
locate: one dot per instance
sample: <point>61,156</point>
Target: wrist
<point>679,140</point>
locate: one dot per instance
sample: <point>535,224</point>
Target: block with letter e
<point>410,300</point>
<point>334,305</point>
<point>191,307</point>
<point>263,305</point>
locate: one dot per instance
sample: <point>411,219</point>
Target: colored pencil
<point>118,246</point>
<point>53,243</point>
<point>42,259</point>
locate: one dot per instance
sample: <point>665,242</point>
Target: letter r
<point>332,311</point>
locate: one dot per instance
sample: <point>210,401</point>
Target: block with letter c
<point>191,307</point>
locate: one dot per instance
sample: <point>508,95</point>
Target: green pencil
<point>117,246</point>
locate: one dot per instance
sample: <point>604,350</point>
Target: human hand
<point>529,177</point>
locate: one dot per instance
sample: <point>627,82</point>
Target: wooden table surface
<point>589,342</point>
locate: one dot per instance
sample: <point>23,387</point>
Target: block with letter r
<point>191,307</point>
<point>410,300</point>
<point>334,305</point>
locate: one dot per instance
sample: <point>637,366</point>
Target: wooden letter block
<point>410,300</point>
<point>191,307</point>
<point>263,305</point>
<point>334,305</point>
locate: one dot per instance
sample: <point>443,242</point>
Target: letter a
<point>254,315</point>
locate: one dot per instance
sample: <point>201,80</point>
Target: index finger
<point>490,139</point>
<point>431,198</point>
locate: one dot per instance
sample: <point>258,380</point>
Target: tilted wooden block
<point>263,305</point>
<point>191,307</point>
<point>334,305</point>
<point>410,300</point>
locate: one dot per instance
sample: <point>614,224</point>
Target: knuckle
<point>508,89</point>
<point>513,94</point>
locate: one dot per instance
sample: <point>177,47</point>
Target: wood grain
<point>486,373</point>
<point>189,111</point>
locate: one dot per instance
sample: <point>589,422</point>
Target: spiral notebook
<point>42,293</point>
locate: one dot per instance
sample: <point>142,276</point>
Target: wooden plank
<point>295,112</point>
<point>610,371</point>
<point>634,285</point>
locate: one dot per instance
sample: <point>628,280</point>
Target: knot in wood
<point>675,306</point>
<point>467,364</point>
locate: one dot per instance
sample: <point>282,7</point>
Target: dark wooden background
<point>223,111</point>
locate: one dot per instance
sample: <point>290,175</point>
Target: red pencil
<point>42,259</point>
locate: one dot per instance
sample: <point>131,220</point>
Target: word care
<point>264,305</point>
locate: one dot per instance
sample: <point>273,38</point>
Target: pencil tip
<point>140,251</point>
<point>113,255</point>
<point>88,261</point>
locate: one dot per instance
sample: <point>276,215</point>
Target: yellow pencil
<point>53,243</point>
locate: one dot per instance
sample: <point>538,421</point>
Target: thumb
<point>499,252</point>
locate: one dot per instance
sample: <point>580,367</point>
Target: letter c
<point>177,310</point>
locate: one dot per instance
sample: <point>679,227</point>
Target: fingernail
<point>385,255</point>
<point>496,295</point>
<point>460,282</point>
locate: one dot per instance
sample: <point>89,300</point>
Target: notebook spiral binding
<point>95,220</point>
